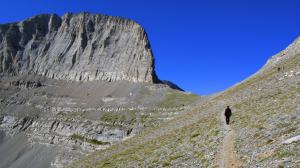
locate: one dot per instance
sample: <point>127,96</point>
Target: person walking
<point>228,114</point>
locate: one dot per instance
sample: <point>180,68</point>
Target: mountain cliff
<point>77,47</point>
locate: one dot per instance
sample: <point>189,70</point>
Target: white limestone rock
<point>77,47</point>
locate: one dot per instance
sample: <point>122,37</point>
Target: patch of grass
<point>96,142</point>
<point>134,111</point>
<point>106,163</point>
<point>282,154</point>
<point>126,118</point>
<point>70,115</point>
<point>195,135</point>
<point>62,114</point>
<point>166,164</point>
<point>176,98</point>
<point>289,130</point>
<point>77,137</point>
<point>269,141</point>
<point>91,141</point>
<point>110,117</point>
<point>175,157</point>
<point>199,155</point>
<point>144,118</point>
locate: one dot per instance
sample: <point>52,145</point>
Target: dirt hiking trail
<point>228,154</point>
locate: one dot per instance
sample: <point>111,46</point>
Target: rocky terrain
<point>76,84</point>
<point>264,131</point>
<point>77,47</point>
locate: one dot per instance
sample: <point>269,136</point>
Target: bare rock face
<point>77,47</point>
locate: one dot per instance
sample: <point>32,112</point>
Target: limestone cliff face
<point>77,47</point>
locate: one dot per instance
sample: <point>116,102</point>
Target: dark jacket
<point>227,112</point>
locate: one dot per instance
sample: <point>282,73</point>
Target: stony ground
<point>228,158</point>
<point>77,118</point>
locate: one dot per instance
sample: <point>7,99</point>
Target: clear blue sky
<point>203,46</point>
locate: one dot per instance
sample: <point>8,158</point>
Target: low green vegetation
<point>91,141</point>
<point>282,154</point>
<point>168,150</point>
<point>96,142</point>
<point>70,115</point>
<point>127,118</point>
<point>77,137</point>
<point>177,98</point>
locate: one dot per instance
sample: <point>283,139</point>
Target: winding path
<point>228,153</point>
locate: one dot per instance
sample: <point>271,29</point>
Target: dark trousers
<point>227,119</point>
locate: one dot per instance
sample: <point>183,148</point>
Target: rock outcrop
<point>77,47</point>
<point>291,51</point>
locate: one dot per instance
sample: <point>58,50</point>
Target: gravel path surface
<point>228,153</point>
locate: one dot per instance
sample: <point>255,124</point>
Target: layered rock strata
<point>77,47</point>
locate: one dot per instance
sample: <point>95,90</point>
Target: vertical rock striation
<point>77,47</point>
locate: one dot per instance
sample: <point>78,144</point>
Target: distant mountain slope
<point>77,47</point>
<point>266,112</point>
<point>171,85</point>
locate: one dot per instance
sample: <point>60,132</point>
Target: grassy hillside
<point>266,111</point>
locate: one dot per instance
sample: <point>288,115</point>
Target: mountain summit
<point>77,47</point>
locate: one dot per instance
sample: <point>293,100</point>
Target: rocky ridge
<point>77,47</point>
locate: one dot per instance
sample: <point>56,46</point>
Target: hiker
<point>227,114</point>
